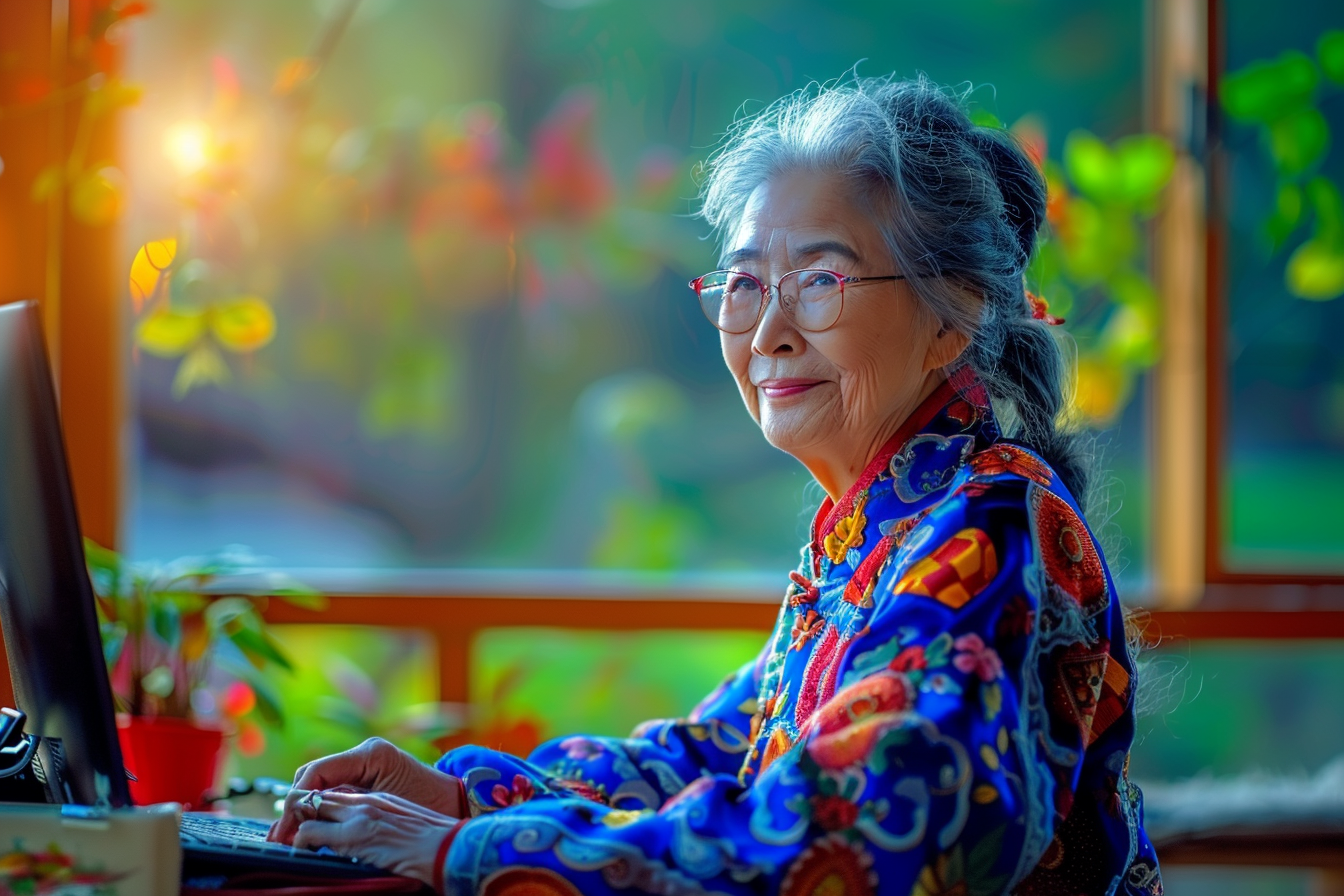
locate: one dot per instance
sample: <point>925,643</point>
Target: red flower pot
<point>173,760</point>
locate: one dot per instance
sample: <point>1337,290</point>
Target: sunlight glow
<point>187,146</point>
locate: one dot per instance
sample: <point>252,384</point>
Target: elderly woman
<point>946,702</point>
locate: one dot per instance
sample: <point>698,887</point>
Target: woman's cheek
<point>737,358</point>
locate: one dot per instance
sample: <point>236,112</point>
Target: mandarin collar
<point>956,416</point>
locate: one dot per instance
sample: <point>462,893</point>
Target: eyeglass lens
<point>734,300</point>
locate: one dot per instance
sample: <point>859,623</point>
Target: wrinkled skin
<point>869,370</point>
<point>378,803</point>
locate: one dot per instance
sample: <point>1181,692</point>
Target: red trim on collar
<point>829,513</point>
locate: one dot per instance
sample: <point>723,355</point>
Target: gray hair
<point>959,206</point>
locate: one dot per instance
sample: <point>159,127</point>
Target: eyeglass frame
<point>697,283</point>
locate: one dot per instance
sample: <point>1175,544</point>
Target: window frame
<point>1193,594</point>
<point>1225,586</point>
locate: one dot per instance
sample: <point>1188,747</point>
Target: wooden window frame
<point>1194,594</point>
<point>1226,585</point>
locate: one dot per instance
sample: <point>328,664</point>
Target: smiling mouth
<point>783,388</point>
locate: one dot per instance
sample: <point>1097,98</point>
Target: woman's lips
<point>782,388</point>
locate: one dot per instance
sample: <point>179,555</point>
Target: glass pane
<point>468,223</point>
<point>1284,434</point>
<point>531,684</point>
<point>1225,708</point>
<point>350,682</point>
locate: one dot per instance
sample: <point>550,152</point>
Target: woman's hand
<point>376,828</point>
<point>377,765</point>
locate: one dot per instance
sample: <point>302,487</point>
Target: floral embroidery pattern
<point>975,657</point>
<point>1011,459</point>
<point>520,792</point>
<point>832,866</point>
<point>884,720</point>
<point>805,628</point>
<point>848,533</point>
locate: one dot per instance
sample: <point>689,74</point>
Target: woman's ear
<point>946,346</point>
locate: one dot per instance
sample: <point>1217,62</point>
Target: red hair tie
<point>1041,311</point>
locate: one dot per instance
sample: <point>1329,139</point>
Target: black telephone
<point>21,775</point>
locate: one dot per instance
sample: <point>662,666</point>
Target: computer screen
<point>46,601</point>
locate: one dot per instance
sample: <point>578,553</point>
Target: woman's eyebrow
<point>810,250</point>
<point>736,257</point>
<point>825,247</point>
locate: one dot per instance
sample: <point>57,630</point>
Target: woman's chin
<point>793,433</point>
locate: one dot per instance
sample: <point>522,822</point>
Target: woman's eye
<point>820,280</point>
<point>743,283</point>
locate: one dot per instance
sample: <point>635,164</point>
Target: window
<point>1279,431</point>
<point>469,227</point>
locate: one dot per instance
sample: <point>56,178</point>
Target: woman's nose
<point>775,332</point>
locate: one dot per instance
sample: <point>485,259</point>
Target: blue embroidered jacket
<point>944,707</point>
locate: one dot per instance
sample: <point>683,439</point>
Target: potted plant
<point>168,631</point>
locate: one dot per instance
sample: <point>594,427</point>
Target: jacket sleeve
<point>934,767</point>
<point>642,771</point>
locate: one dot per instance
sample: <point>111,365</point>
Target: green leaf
<point>1330,54</point>
<point>984,118</point>
<point>935,654</point>
<point>1099,240</point>
<point>260,648</point>
<point>1090,165</point>
<point>308,599</point>
<point>202,365</point>
<point>1316,270</point>
<point>1266,90</point>
<point>1130,337</point>
<point>1145,164</point>
<point>99,557</point>
<point>1328,204</point>
<point>166,622</point>
<point>1298,140</point>
<point>1134,290</point>
<point>1286,216</point>
<point>984,854</point>
<point>220,613</point>
<point>186,601</point>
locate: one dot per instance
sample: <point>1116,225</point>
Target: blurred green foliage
<point>1281,97</point>
<point>531,684</point>
<point>349,683</point>
<point>1092,269</point>
<point>1278,211</point>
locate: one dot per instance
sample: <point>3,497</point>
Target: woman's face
<point>831,399</point>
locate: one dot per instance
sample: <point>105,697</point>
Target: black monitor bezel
<point>47,609</point>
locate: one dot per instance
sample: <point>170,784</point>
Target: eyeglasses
<point>812,298</point>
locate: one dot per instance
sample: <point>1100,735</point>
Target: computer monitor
<point>46,601</point>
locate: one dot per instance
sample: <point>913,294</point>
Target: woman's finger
<point>285,826</point>
<point>348,768</point>
<point>337,836</point>
<point>388,803</point>
<point>299,806</point>
<point>404,844</point>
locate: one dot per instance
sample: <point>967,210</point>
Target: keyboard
<point>224,845</point>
